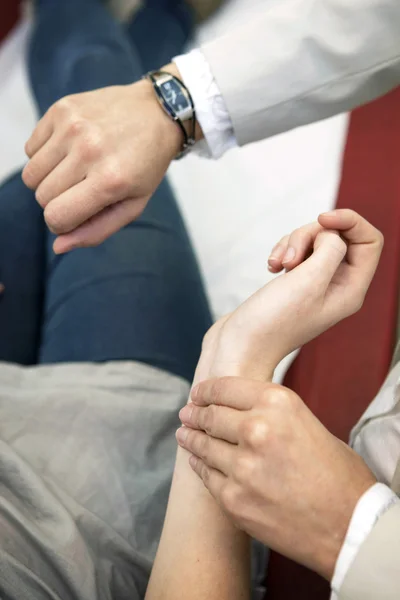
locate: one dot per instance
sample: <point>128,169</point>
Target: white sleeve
<point>371,506</point>
<point>211,111</point>
<point>300,61</point>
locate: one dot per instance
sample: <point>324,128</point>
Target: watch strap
<point>189,139</point>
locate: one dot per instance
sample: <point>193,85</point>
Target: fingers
<point>321,266</point>
<point>218,421</point>
<point>354,228</point>
<point>213,480</point>
<point>365,243</point>
<point>232,392</point>
<point>216,454</point>
<point>75,206</point>
<point>362,247</point>
<point>43,162</point>
<point>277,254</point>
<point>41,134</point>
<point>70,172</point>
<point>294,248</point>
<point>101,227</point>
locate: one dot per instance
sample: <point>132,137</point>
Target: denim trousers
<point>139,296</point>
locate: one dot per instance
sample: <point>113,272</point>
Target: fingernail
<point>290,254</point>
<point>193,460</point>
<point>185,414</point>
<point>273,260</point>
<point>330,213</point>
<point>276,253</point>
<point>181,435</point>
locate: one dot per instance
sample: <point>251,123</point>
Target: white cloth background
<point>236,208</point>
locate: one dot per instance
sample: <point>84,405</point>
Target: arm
<point>240,415</point>
<point>265,457</point>
<point>299,61</point>
<point>201,553</point>
<point>305,60</point>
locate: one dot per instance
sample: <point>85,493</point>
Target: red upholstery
<point>9,12</point>
<point>339,373</point>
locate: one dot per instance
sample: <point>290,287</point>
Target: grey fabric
<point>86,458</point>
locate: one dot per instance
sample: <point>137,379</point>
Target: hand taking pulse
<point>271,465</point>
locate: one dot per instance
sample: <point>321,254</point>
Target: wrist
<point>223,354</point>
<point>238,355</point>
<point>329,548</point>
<point>244,368</point>
<point>168,136</point>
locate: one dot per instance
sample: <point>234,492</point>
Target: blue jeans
<point>139,296</point>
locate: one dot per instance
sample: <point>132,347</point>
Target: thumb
<point>364,243</point>
<point>329,252</point>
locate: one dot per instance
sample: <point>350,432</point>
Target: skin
<point>96,158</point>
<point>271,466</point>
<point>212,553</point>
<point>274,469</point>
<point>312,295</point>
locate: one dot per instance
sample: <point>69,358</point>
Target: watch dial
<point>174,96</point>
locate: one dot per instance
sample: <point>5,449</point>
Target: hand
<point>96,158</point>
<point>273,468</point>
<point>327,281</point>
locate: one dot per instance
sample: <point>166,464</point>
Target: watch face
<point>173,94</point>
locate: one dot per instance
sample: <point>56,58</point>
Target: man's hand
<point>273,468</point>
<point>96,158</point>
<point>335,260</point>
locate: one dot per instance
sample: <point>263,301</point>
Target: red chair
<point>9,13</point>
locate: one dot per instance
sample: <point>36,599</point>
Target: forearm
<point>201,553</point>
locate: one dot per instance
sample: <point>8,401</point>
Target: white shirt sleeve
<point>211,111</point>
<point>371,506</point>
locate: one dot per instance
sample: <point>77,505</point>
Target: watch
<point>177,102</point>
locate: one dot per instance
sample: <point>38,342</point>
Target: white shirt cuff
<point>211,111</point>
<point>371,506</point>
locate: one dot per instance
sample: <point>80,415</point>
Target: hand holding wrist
<point>277,472</point>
